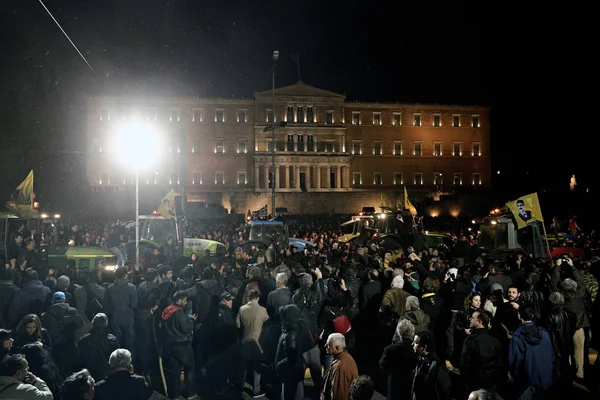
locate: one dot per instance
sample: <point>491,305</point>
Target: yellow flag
<point>526,209</point>
<point>407,204</point>
<point>21,201</point>
<point>167,205</point>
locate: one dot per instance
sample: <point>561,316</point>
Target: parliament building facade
<point>330,153</point>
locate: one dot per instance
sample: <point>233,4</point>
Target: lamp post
<point>275,58</point>
<point>138,146</point>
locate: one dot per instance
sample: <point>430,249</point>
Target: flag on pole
<point>526,209</point>
<point>167,205</point>
<point>21,201</point>
<point>260,213</point>
<point>407,204</point>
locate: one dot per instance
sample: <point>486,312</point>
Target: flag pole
<point>546,237</point>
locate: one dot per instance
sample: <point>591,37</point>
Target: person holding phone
<point>16,382</point>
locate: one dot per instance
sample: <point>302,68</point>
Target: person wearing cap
<point>96,347</point>
<point>223,339</point>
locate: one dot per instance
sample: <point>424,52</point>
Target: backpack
<point>94,304</point>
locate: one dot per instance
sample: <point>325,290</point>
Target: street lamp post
<point>138,146</point>
<point>275,58</point>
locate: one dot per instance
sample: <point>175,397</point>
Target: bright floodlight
<point>138,144</point>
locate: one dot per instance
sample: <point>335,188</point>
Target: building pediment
<point>299,91</point>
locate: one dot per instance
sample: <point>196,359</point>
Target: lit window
<point>355,117</point>
<point>329,117</point>
<point>476,150</point>
<point>397,119</point>
<point>310,142</point>
<point>242,147</point>
<point>457,179</point>
<point>220,146</point>
<point>241,178</point>
<point>397,148</point>
<point>310,115</point>
<point>104,178</point>
<point>437,120</point>
<point>397,178</point>
<point>197,115</point>
<point>219,178</point>
<point>376,118</point>
<point>377,148</point>
<point>437,149</point>
<point>330,146</point>
<point>173,178</point>
<point>356,180</point>
<point>174,115</point>
<point>377,180</point>
<point>197,178</point>
<point>457,149</point>
<point>418,149</point>
<point>456,120</point>
<point>418,178</point>
<point>196,146</point>
<point>437,179</point>
<point>269,116</point>
<point>356,147</point>
<point>417,119</point>
<point>476,178</point>
<point>475,120</point>
<point>219,115</point>
<point>242,116</point>
<point>290,115</point>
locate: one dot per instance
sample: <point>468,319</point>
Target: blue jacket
<point>531,356</point>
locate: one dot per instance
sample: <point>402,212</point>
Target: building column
<point>276,177</point>
<point>297,177</point>
<point>338,177</point>
<point>318,177</point>
<point>328,178</point>
<point>256,177</point>
<point>287,176</point>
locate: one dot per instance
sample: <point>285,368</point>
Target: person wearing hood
<point>178,329</point>
<point>61,320</point>
<point>6,343</point>
<point>96,347</point>
<point>29,300</point>
<point>531,356</point>
<point>288,359</point>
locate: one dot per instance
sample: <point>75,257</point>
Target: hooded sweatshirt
<point>531,356</point>
<point>178,327</point>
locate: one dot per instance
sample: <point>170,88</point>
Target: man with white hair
<point>393,305</point>
<point>341,372</point>
<point>282,296</point>
<point>122,383</point>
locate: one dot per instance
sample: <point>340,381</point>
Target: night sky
<point>454,52</point>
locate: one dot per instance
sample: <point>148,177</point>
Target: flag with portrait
<point>167,205</point>
<point>526,209</point>
<point>21,201</point>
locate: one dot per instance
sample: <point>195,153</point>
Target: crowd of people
<point>450,322</point>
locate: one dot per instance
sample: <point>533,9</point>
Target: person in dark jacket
<point>178,329</point>
<point>7,289</point>
<point>61,321</point>
<point>288,359</point>
<point>96,347</point>
<point>29,300</point>
<point>431,380</point>
<point>531,355</point>
<point>561,325</point>
<point>121,299</point>
<point>399,361</point>
<point>122,383</point>
<point>481,357</point>
<point>223,340</point>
